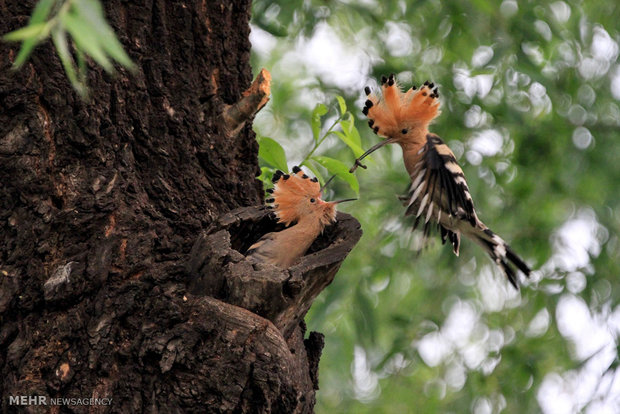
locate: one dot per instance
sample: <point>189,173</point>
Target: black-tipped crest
<point>300,197</point>
<point>276,176</point>
<point>296,169</point>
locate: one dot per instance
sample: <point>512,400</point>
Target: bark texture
<point>119,276</point>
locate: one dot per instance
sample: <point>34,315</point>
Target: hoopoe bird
<point>296,198</point>
<point>438,193</point>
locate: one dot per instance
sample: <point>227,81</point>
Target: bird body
<point>296,199</point>
<point>438,193</point>
<point>283,248</point>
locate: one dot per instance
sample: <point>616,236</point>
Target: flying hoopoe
<point>296,198</point>
<point>438,192</point>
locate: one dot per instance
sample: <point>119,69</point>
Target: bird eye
<point>312,200</point>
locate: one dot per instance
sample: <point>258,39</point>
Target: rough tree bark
<point>119,276</point>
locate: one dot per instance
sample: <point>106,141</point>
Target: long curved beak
<point>343,201</point>
<point>370,151</point>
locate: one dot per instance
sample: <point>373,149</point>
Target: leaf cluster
<point>78,30</point>
<point>274,157</point>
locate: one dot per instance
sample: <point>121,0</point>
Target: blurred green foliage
<point>273,156</point>
<point>92,36</point>
<point>530,99</point>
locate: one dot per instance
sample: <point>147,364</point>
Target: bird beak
<point>343,201</point>
<point>370,151</point>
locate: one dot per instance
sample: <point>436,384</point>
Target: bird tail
<point>500,252</point>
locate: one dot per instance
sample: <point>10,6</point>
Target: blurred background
<point>530,98</point>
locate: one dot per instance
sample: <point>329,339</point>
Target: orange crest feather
<point>293,191</point>
<point>399,111</point>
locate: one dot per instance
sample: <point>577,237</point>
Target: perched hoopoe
<point>296,198</point>
<point>438,192</point>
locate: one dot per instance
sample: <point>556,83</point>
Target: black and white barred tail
<point>500,253</point>
<point>439,195</point>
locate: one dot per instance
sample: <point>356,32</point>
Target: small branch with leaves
<point>91,35</point>
<point>343,127</point>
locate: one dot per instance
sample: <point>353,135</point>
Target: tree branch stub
<point>253,99</point>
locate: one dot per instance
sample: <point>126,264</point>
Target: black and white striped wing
<point>439,193</point>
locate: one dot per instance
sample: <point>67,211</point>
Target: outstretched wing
<point>439,192</point>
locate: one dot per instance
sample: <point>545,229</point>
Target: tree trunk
<point>120,276</point>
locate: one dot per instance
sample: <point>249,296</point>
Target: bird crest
<point>397,112</point>
<point>439,193</point>
<point>296,196</point>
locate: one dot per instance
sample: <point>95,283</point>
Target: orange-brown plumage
<point>296,199</point>
<point>292,199</point>
<point>403,117</point>
<point>438,193</point>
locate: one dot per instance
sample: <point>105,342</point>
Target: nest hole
<point>244,233</point>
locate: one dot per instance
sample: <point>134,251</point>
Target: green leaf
<point>59,38</point>
<point>87,40</point>
<point>348,127</point>
<point>82,68</point>
<point>315,171</point>
<point>350,135</point>
<point>340,169</point>
<point>92,12</point>
<point>39,15</point>
<point>317,113</point>
<point>342,104</point>
<point>272,153</point>
<point>41,11</point>
<point>265,176</point>
<point>62,47</point>
<point>357,150</point>
<point>25,50</point>
<point>32,31</point>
